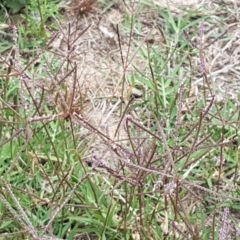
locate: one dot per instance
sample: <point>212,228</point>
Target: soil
<point>99,58</point>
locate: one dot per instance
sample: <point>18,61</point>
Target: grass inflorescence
<point>173,174</point>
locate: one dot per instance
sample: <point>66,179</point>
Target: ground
<point>98,58</point>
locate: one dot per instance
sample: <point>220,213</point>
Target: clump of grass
<point>168,178</point>
<point>34,20</point>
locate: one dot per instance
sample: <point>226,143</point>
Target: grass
<point>175,176</point>
<point>34,21</point>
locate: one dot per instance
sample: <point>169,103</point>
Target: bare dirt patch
<point>103,62</point>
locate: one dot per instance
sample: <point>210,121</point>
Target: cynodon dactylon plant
<point>174,172</point>
<point>32,140</point>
